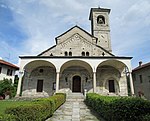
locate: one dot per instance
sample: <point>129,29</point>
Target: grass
<point>10,103</point>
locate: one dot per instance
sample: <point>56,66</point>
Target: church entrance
<point>76,84</point>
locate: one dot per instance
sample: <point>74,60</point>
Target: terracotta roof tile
<point>8,64</point>
<point>142,66</point>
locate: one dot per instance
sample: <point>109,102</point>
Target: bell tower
<point>100,27</point>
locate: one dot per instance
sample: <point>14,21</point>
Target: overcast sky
<point>28,27</point>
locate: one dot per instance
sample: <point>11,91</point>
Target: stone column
<point>21,73</point>
<point>94,82</point>
<point>131,84</point>
<point>57,82</point>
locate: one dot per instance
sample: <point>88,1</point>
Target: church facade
<point>79,62</point>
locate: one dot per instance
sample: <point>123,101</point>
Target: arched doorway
<point>76,84</point>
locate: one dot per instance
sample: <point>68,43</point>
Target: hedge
<point>119,108</point>
<point>7,117</point>
<point>37,110</point>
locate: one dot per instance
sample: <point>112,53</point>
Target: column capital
<point>94,69</point>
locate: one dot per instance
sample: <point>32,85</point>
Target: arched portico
<point>93,72</point>
<point>111,75</point>
<point>37,79</point>
<point>75,68</point>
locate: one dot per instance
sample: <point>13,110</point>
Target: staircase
<point>75,97</point>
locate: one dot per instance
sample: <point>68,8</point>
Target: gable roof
<point>72,29</point>
<point>105,50</point>
<point>46,50</point>
<point>8,64</point>
<point>81,30</point>
<point>141,67</point>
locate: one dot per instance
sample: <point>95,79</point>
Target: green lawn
<point>9,103</point>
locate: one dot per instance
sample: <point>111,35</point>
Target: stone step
<point>75,100</point>
<point>75,97</point>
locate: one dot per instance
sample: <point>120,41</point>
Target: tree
<point>7,88</point>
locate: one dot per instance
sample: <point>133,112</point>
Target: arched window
<point>87,54</point>
<point>100,19</point>
<point>70,53</point>
<point>66,53</point>
<point>83,53</point>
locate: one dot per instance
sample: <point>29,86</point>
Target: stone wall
<point>30,82</point>
<point>144,84</point>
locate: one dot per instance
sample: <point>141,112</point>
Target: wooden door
<point>111,86</point>
<point>76,86</point>
<point>40,86</point>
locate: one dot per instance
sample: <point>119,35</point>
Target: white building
<point>7,70</point>
<point>79,61</point>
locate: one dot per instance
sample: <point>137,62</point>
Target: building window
<point>87,54</point>
<point>66,53</point>
<point>100,19</point>
<point>39,86</point>
<point>141,80</point>
<point>41,70</point>
<point>83,53</point>
<point>70,53</point>
<point>0,70</point>
<point>51,54</point>
<point>9,72</point>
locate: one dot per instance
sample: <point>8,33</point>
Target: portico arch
<point>120,66</point>
<point>112,74</point>
<point>76,63</point>
<point>72,69</point>
<point>39,77</point>
<point>37,63</point>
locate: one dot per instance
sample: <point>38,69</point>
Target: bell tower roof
<point>98,10</point>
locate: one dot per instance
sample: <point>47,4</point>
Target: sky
<point>28,27</point>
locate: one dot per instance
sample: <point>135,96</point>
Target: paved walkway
<point>74,110</point>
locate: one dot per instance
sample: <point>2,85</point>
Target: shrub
<point>7,117</point>
<point>119,108</point>
<point>37,110</point>
<point>146,118</point>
